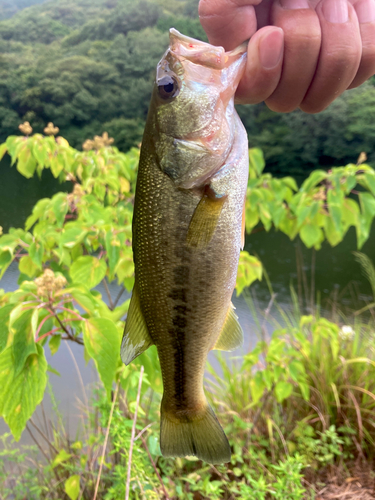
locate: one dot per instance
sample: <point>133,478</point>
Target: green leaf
<point>305,390</point>
<point>36,252</point>
<point>335,207</point>
<point>249,270</point>
<point>27,266</point>
<point>38,211</point>
<point>283,390</point>
<point>290,182</point>
<point>310,235</point>
<point>314,178</point>
<point>26,164</point>
<point>257,386</point>
<point>4,325</point>
<point>367,201</point>
<point>23,341</point>
<point>370,179</point>
<point>6,259</point>
<point>57,163</point>
<point>52,370</point>
<point>60,207</point>
<point>61,457</point>
<point>20,394</point>
<point>3,150</point>
<point>125,271</point>
<point>54,343</point>
<point>40,153</point>
<point>102,340</point>
<point>112,245</point>
<point>72,487</point>
<point>72,235</point>
<point>88,271</point>
<point>256,159</point>
<point>333,236</point>
<point>84,298</point>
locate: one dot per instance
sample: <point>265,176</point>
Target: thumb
<point>228,22</point>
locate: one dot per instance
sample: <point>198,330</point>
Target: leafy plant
<point>74,241</point>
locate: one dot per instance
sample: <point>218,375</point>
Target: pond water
<point>332,272</point>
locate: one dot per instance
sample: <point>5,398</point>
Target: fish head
<point>193,108</point>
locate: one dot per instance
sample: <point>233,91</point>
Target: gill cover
<point>194,108</point>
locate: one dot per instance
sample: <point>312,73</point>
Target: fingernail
<point>335,11</point>
<point>271,48</point>
<point>365,11</point>
<point>294,4</point>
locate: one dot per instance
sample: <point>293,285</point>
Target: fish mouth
<point>203,53</point>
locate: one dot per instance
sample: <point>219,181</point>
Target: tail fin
<point>200,435</point>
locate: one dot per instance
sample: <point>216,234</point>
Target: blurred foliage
<point>70,243</point>
<point>74,241</point>
<point>294,407</point>
<point>88,66</point>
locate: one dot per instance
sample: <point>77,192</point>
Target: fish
<point>188,230</point>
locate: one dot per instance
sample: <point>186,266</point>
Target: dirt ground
<point>358,483</point>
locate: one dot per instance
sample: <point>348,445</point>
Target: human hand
<point>302,53</point>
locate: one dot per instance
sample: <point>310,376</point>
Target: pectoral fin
<point>204,221</point>
<point>136,338</point>
<point>243,226</point>
<point>231,336</point>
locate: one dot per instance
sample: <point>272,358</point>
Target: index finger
<point>228,22</point>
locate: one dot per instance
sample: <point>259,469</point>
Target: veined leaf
<point>283,390</point>
<point>60,207</point>
<point>27,266</point>
<point>3,150</point>
<point>23,341</point>
<point>61,457</point>
<point>310,235</point>
<point>72,487</point>
<point>4,325</point>
<point>256,159</point>
<point>36,251</point>
<point>112,245</point>
<point>54,343</point>
<point>249,270</point>
<point>257,386</point>
<point>88,270</point>
<point>26,163</point>
<point>102,341</point>
<point>20,394</point>
<point>72,235</point>
<point>313,180</point>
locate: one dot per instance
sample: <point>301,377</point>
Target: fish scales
<point>187,234</point>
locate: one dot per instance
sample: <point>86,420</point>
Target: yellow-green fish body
<point>187,235</point>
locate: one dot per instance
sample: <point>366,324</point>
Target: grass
<point>298,410</point>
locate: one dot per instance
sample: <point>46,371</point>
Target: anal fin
<point>204,221</point>
<point>136,338</point>
<point>231,336</point>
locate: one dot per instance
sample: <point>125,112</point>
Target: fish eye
<point>168,87</point>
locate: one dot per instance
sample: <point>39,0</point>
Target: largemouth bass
<point>187,234</point>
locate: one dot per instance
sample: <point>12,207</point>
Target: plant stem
<point>106,441</point>
<point>111,306</point>
<point>154,466</point>
<point>118,297</point>
<point>79,374</point>
<point>133,435</point>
